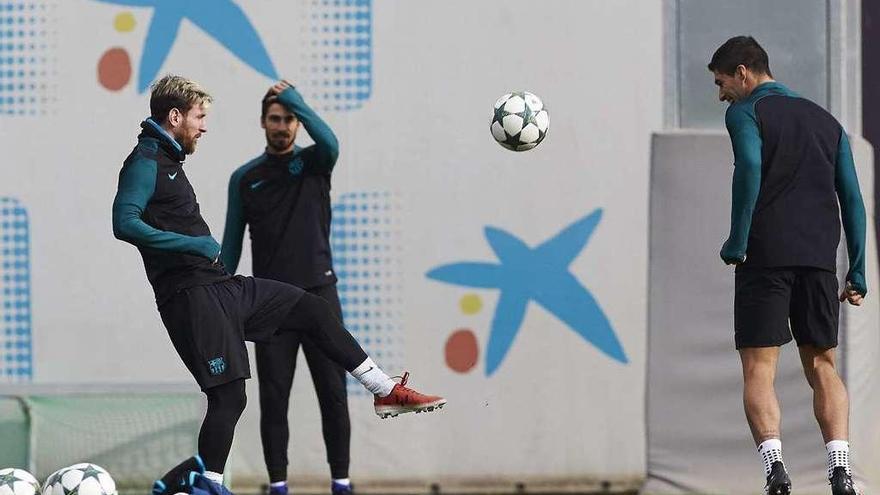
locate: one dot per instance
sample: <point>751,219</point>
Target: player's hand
<point>850,295</point>
<point>209,247</point>
<point>730,256</point>
<point>280,86</point>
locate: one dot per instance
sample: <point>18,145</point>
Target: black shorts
<point>209,324</point>
<point>768,299</point>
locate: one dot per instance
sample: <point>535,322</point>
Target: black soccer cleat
<point>778,483</point>
<point>842,483</point>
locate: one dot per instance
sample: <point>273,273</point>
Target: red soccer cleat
<point>403,400</point>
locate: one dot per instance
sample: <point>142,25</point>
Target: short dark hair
<point>740,50</point>
<point>267,102</point>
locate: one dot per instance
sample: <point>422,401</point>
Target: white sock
<point>215,477</point>
<point>342,481</point>
<point>278,483</point>
<point>770,451</point>
<point>838,455</point>
<point>373,378</point>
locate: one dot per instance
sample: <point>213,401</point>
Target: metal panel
<point>794,33</point>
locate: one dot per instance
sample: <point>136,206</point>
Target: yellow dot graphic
<point>471,304</point>
<point>124,22</point>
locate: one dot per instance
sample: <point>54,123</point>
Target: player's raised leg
<point>314,315</point>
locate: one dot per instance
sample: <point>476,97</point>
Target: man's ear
<point>742,72</point>
<point>175,117</point>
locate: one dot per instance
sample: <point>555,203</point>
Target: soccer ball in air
<point>80,479</point>
<point>520,121</point>
<point>18,482</point>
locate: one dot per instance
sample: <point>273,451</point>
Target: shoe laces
<point>403,379</point>
<point>410,393</point>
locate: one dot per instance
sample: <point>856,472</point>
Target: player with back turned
<point>794,180</point>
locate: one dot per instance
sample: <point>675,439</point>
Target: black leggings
<point>315,318</point>
<point>225,404</point>
<point>276,363</point>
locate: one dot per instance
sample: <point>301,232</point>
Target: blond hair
<point>175,92</point>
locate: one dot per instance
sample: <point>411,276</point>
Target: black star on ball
<point>90,472</point>
<point>8,480</point>
<point>512,141</point>
<point>499,114</point>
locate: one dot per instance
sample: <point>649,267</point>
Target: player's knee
<point>759,373</point>
<point>272,417</point>
<point>313,307</point>
<point>810,376</point>
<point>320,306</point>
<point>818,361</point>
<point>274,408</point>
<point>821,371</point>
<point>229,399</point>
<point>270,400</point>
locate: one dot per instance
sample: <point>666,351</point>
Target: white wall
<point>556,405</point>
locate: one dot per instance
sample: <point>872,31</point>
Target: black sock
<point>338,470</point>
<point>277,474</point>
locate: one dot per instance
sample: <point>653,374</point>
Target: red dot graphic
<point>114,69</point>
<point>462,350</point>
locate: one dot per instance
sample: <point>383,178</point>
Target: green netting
<point>135,437</point>
<point>13,434</point>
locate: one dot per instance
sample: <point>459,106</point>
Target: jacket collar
<point>166,141</point>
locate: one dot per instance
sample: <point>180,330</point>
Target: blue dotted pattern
<point>23,58</point>
<point>16,356</point>
<point>342,53</point>
<point>365,240</point>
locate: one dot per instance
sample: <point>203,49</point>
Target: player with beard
<point>208,312</point>
<point>283,195</point>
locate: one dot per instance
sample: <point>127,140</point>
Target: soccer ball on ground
<point>520,121</point>
<point>50,480</point>
<point>80,479</point>
<point>18,482</point>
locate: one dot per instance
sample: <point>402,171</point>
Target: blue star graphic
<point>539,274</point>
<point>221,19</point>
